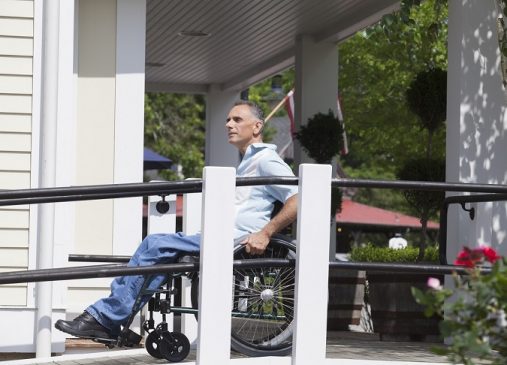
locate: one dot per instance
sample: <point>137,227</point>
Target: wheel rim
<point>263,302</point>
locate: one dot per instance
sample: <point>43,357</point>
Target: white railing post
<point>192,204</point>
<point>312,265</point>
<point>215,287</point>
<point>162,223</point>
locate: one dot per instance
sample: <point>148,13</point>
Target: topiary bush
<point>321,137</point>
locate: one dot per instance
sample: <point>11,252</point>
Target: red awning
<point>354,213</point>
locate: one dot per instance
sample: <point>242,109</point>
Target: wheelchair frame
<point>262,290</point>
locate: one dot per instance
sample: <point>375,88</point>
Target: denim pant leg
<point>114,310</point>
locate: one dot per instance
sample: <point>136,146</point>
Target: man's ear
<point>259,126</point>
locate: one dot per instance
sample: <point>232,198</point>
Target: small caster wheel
<point>153,345</point>
<point>174,346</point>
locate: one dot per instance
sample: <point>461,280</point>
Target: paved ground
<point>342,345</point>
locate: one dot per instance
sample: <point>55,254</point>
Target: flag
<point>289,106</point>
<point>339,114</point>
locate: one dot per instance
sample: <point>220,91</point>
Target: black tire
<point>152,345</point>
<point>174,346</point>
<point>263,303</point>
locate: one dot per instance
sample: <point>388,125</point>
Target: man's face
<point>243,128</point>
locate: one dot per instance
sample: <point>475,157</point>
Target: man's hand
<point>256,243</point>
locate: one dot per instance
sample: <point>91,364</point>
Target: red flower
<point>490,254</point>
<point>470,258</point>
<point>465,258</point>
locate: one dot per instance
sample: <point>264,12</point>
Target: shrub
<point>372,253</point>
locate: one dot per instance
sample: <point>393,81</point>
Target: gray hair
<point>254,108</point>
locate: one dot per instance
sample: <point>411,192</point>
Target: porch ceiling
<point>249,39</point>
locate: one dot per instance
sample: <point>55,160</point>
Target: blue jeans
<point>114,311</point>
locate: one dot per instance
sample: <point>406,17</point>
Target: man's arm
<point>257,242</point>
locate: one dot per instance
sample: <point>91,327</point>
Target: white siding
<point>16,69</point>
<point>14,237</point>
<point>15,142</point>
<point>21,123</point>
<point>15,84</point>
<point>17,9</point>
<point>16,46</point>
<point>10,65</point>
<point>16,27</point>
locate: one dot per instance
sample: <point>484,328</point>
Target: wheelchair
<point>262,309</point>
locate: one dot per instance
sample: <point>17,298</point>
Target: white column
<point>316,91</point>
<point>316,83</point>
<point>215,294</point>
<point>476,142</point>
<point>312,265</point>
<point>129,120</point>
<point>49,113</point>
<point>218,151</point>
<point>64,234</point>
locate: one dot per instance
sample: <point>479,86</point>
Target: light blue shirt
<point>254,204</point>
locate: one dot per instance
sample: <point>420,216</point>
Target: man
<point>253,227</point>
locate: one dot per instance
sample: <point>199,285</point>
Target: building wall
<point>95,95</point>
<point>16,78</point>
<point>99,141</point>
<point>476,142</point>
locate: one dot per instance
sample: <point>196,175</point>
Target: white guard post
<point>312,265</point>
<point>192,204</point>
<point>162,223</point>
<point>215,291</point>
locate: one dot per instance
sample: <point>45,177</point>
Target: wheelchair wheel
<point>174,346</point>
<point>263,303</point>
<point>152,345</point>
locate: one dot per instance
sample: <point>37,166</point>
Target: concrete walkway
<point>352,348</point>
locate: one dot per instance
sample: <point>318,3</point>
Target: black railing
<point>109,191</point>
<point>462,200</point>
<point>112,270</point>
<point>94,192</point>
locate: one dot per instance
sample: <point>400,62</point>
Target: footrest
<point>131,339</point>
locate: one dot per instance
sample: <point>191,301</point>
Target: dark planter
<point>395,313</point>
<point>346,295</point>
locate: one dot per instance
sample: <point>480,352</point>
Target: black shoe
<point>84,326</point>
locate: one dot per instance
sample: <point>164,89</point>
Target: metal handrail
<point>459,199</point>
<point>92,192</point>
<point>98,258</point>
<point>112,270</point>
<point>108,191</point>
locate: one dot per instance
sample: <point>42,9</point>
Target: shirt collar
<point>255,147</point>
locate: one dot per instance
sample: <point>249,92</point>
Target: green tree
<point>174,127</point>
<point>375,69</point>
